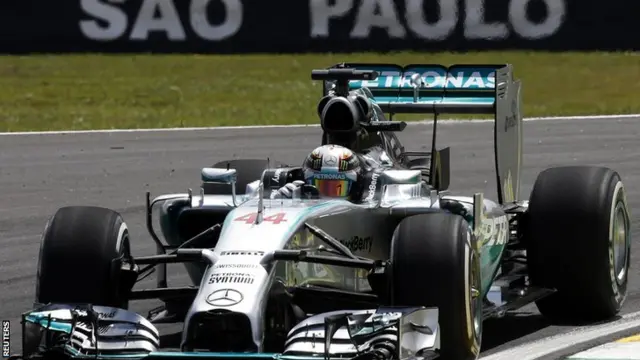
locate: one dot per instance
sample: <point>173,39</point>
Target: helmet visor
<point>332,188</point>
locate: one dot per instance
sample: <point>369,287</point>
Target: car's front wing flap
<point>98,332</point>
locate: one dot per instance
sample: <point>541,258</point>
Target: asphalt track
<point>39,173</point>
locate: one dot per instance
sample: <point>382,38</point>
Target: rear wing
<point>457,89</point>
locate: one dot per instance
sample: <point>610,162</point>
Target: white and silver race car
<point>409,271</point>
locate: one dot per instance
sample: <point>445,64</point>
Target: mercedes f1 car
<point>410,271</point>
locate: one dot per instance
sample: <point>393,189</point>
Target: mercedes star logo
<point>330,160</point>
<point>224,297</point>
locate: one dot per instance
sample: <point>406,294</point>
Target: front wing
<point>99,332</point>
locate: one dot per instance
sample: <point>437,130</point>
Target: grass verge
<point>60,92</point>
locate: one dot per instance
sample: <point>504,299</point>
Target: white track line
<point>581,335</point>
<point>448,121</point>
<point>610,351</point>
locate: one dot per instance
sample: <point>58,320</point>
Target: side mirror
<point>218,175</point>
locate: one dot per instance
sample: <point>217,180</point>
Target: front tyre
<point>579,243</point>
<point>81,256</point>
<point>434,264</point>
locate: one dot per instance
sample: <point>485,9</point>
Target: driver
<point>337,172</point>
<point>334,170</point>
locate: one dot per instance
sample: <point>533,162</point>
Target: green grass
<point>100,91</point>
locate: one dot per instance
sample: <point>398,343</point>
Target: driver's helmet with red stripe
<point>333,170</point>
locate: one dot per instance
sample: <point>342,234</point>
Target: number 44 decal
<point>251,218</point>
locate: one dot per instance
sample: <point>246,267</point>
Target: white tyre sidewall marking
<point>469,251</point>
<point>121,232</point>
<point>467,286</point>
<point>619,188</point>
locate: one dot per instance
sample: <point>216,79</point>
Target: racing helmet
<point>332,169</point>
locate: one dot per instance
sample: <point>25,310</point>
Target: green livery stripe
<point>46,323</point>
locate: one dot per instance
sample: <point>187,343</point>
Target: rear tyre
<point>81,254</point>
<point>247,170</point>
<point>434,264</point>
<point>578,235</point>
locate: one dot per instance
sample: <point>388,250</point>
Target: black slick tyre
<point>578,242</point>
<point>434,264</point>
<point>81,253</point>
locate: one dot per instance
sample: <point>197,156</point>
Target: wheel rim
<point>620,243</point>
<point>474,309</point>
<point>476,303</point>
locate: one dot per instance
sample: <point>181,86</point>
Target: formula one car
<point>407,272</point>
